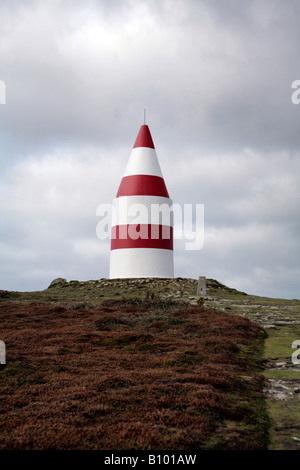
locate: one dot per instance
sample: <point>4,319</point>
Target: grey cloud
<point>216,80</point>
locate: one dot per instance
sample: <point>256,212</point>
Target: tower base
<point>141,262</point>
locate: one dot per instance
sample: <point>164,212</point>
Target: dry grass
<point>129,374</point>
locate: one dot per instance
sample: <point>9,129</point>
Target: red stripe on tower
<point>143,248</point>
<point>144,138</point>
<point>142,185</point>
<point>142,236</point>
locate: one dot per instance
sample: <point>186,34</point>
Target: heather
<point>134,373</point>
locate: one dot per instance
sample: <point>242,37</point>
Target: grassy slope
<point>129,374</point>
<point>285,380</point>
<point>79,297</point>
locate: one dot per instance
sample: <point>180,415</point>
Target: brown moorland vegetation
<point>130,374</point>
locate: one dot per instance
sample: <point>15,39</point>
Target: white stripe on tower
<point>148,262</point>
<point>142,210</point>
<point>143,161</point>
<point>142,229</point>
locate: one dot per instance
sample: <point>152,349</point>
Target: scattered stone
<point>278,389</point>
<point>58,281</point>
<point>4,293</point>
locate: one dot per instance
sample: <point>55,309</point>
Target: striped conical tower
<point>142,235</point>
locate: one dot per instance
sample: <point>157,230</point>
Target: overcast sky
<point>215,77</point>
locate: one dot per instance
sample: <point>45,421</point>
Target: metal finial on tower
<point>144,115</point>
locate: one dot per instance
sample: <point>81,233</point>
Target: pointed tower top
<point>144,138</point>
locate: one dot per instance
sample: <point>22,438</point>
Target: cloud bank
<point>216,81</point>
